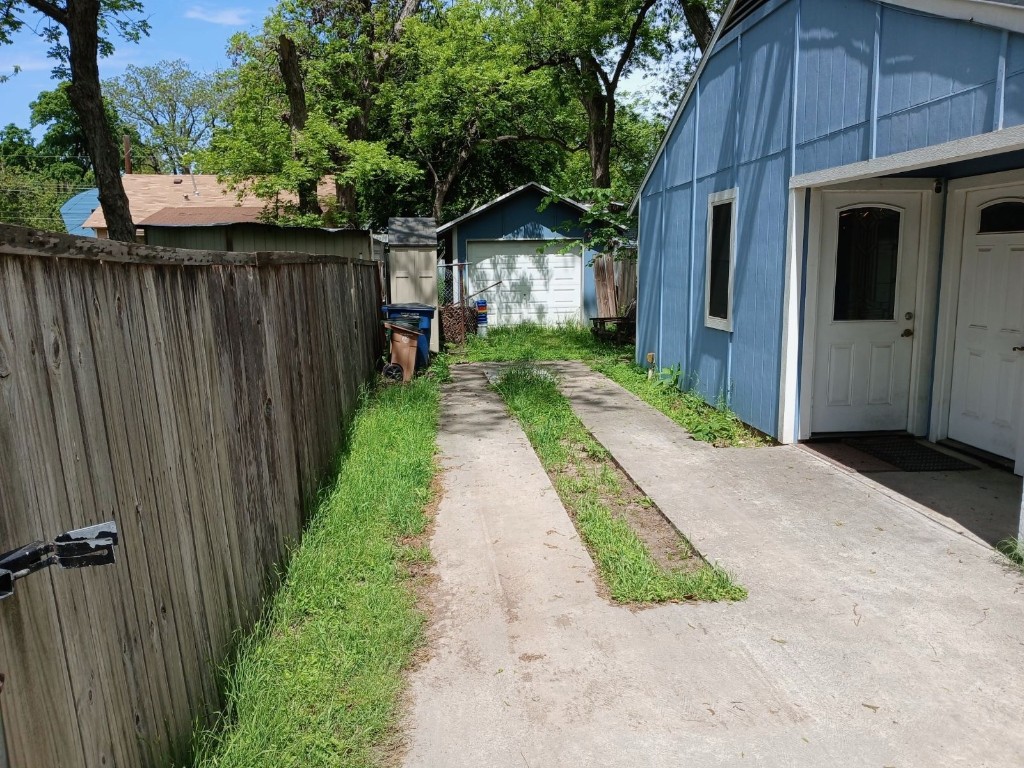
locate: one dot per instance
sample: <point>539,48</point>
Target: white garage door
<point>538,283</point>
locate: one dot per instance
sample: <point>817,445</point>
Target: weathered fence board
<point>198,398</point>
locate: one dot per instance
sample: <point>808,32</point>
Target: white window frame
<point>715,199</point>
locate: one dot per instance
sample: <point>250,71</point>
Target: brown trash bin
<point>403,348</point>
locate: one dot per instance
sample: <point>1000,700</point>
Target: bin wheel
<point>393,372</point>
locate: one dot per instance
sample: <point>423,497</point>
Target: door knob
<point>909,316</point>
<point>907,333</point>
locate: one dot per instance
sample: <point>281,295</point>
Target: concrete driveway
<point>873,635</point>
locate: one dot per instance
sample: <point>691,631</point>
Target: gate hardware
<point>80,548</point>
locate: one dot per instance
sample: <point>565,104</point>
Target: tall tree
<point>317,67</point>
<point>64,140</point>
<point>76,31</point>
<point>172,108</point>
<point>463,97</point>
<point>594,46</point>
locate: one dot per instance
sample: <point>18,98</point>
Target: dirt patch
<point>422,578</point>
<point>625,500</point>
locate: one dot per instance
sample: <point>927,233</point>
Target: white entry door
<point>864,334</point>
<point>537,282</point>
<point>985,400</point>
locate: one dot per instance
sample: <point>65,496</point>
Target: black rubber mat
<point>908,454</point>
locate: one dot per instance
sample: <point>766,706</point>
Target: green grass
<point>318,682</point>
<point>567,451</point>
<point>528,342</point>
<point>717,425</point>
<point>1013,549</point>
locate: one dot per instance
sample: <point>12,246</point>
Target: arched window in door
<point>1001,217</point>
<point>867,263</point>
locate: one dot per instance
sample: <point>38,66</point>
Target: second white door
<point>866,308</point>
<point>988,358</point>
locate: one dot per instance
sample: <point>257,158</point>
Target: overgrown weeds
<point>575,462</point>
<point>711,424</point>
<point>318,682</point>
<point>1013,549</point>
<point>669,392</point>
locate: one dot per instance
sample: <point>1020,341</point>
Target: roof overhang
<point>1001,15</point>
<point>971,148</point>
<point>499,200</point>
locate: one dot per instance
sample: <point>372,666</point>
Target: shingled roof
<point>150,193</point>
<point>211,216</point>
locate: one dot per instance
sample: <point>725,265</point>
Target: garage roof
<point>499,200</point>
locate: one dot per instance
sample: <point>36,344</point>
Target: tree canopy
<point>348,112</point>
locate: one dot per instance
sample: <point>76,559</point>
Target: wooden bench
<point>620,329</point>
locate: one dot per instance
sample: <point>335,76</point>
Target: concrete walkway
<point>873,636</point>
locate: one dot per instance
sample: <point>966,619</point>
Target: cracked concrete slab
<point>873,636</point>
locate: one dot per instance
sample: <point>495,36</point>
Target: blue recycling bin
<point>419,315</point>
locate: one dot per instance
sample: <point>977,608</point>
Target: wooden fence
<point>196,397</point>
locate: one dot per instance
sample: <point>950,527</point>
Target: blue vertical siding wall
<point>799,86</point>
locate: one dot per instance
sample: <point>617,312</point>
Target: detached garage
<point>509,242</point>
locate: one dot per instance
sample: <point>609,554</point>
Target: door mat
<point>908,454</point>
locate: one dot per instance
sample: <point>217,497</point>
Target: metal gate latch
<point>80,548</point>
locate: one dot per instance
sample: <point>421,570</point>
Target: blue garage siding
<point>870,80</point>
<point>518,219</point>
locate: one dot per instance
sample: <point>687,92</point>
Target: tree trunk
<point>291,73</point>
<point>699,21</point>
<point>87,101</point>
<point>600,109</point>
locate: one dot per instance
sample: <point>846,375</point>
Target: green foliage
<point>122,18</point>
<point>671,392</point>
<point>530,341</point>
<point>1013,549</point>
<point>34,184</point>
<point>172,109</point>
<point>569,453</point>
<point>319,682</point>
<point>668,393</point>
<point>343,50</point>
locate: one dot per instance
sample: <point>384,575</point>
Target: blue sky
<point>197,32</point>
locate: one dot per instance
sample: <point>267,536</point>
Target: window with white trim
<point>721,260</point>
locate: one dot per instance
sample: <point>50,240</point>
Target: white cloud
<point>25,63</point>
<point>229,17</point>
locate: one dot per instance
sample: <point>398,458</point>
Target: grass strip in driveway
<point>318,682</point>
<point>572,341</point>
<point>580,469</point>
<point>710,424</point>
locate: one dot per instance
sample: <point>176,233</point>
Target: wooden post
<point>127,153</point>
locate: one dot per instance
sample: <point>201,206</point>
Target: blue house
<point>832,232</point>
<point>511,242</point>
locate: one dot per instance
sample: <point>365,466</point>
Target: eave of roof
<point>498,200</point>
<point>1001,15</point>
<point>213,216</point>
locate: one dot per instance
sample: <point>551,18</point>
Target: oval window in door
<point>867,263</point>
<point>1002,217</point>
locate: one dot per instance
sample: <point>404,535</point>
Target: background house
<point>150,193</point>
<point>832,232</point>
<point>511,241</point>
<point>240,229</point>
